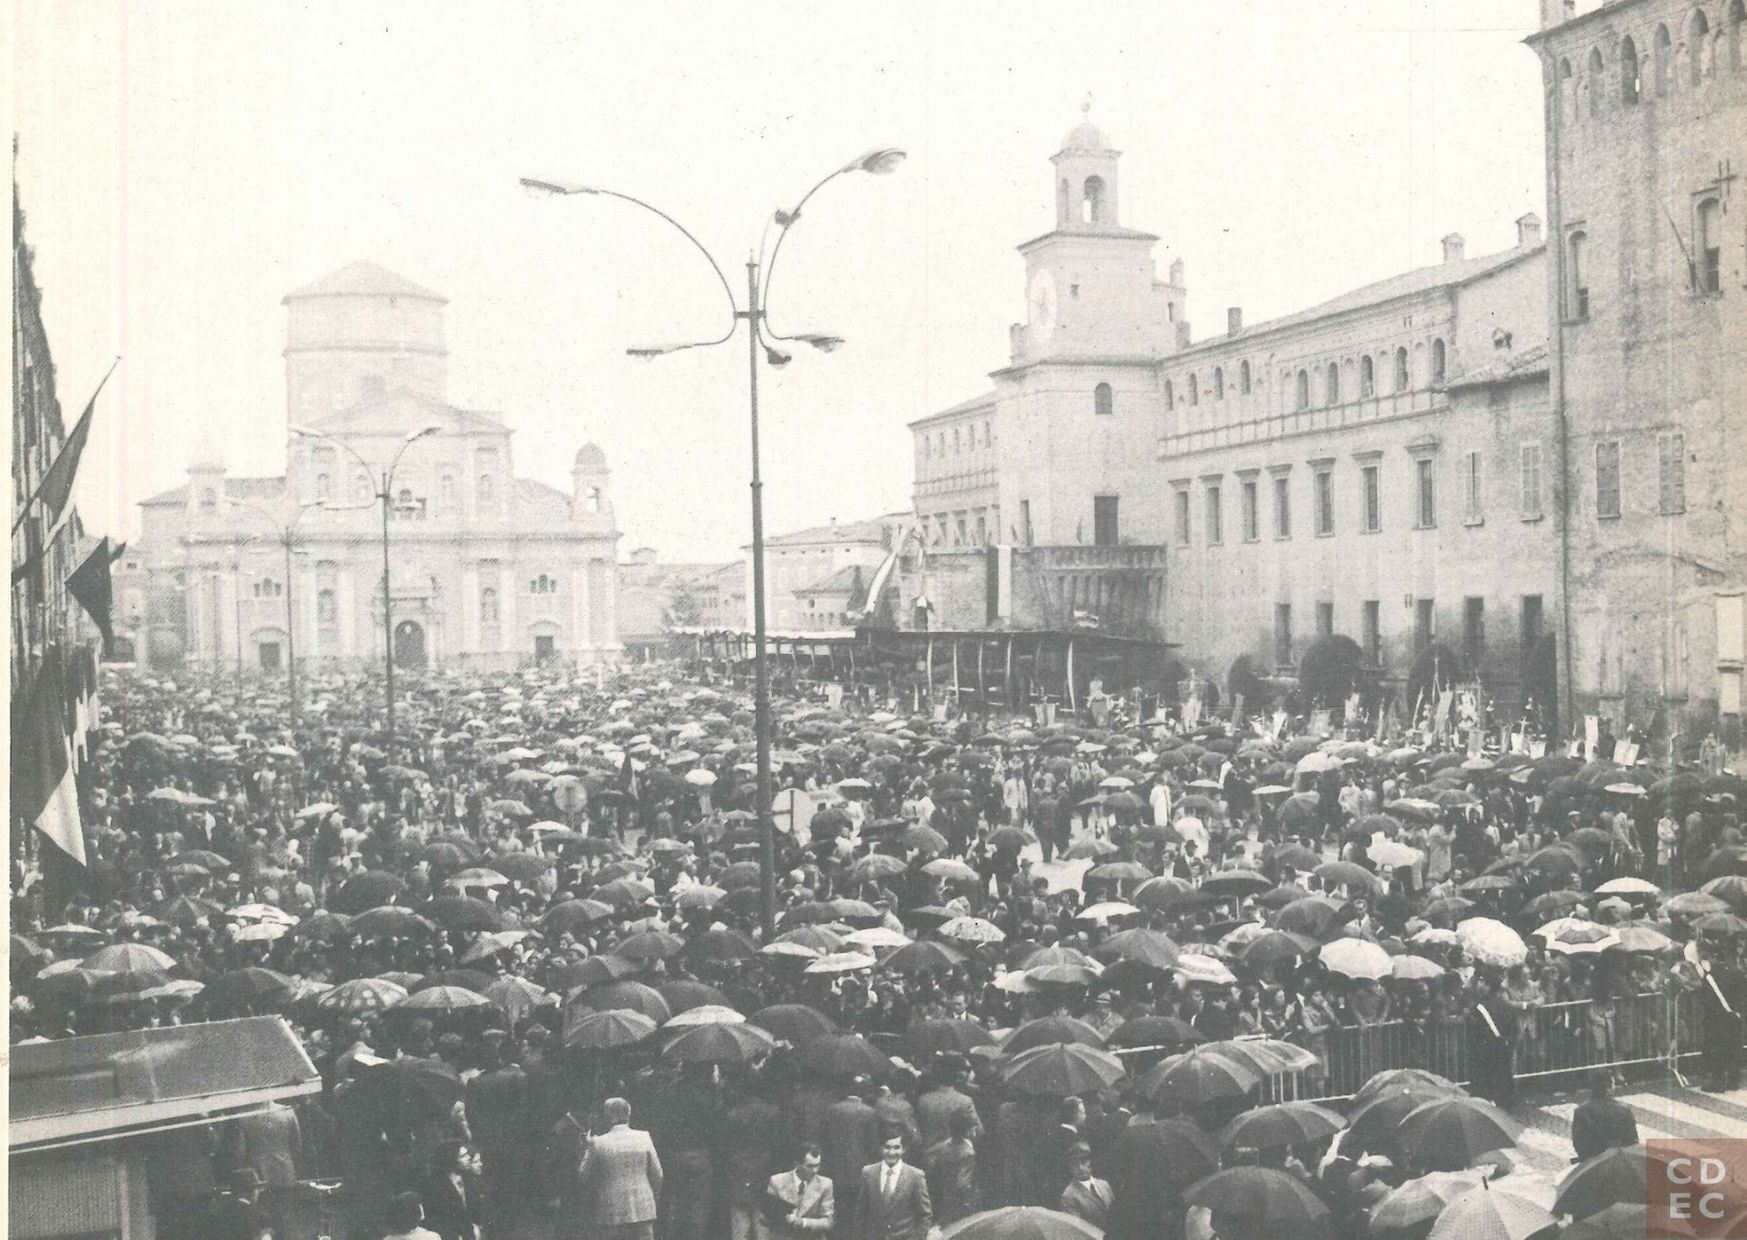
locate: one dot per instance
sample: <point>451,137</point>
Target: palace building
<point>487,570</point>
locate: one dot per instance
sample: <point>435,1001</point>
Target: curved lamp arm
<point>537,186</point>
<point>306,432</point>
<point>409,441</point>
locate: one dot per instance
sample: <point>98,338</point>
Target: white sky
<point>183,165</point>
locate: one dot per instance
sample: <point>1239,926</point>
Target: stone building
<point>656,597</point>
<point>1377,466</point>
<point>487,570</point>
<point>800,570</point>
<point>1646,114</point>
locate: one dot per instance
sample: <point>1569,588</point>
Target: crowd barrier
<point>1625,1035</point>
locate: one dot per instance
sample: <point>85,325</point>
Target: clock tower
<point>1090,290</point>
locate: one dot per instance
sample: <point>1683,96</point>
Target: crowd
<point>1093,967</point>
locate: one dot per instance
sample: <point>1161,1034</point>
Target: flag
<point>628,779</point>
<point>56,486</point>
<point>43,792</point>
<point>90,584</point>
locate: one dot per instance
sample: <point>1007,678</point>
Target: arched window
<point>593,500</point>
<point>362,490</point>
<point>488,605</point>
<point>1708,240</point>
<point>323,487</point>
<point>1437,361</point>
<point>1219,383</point>
<point>1698,48</point>
<point>209,499</point>
<point>1367,377</point>
<point>1194,389</point>
<point>1577,275</point>
<point>1332,387</point>
<point>1103,401</point>
<point>327,610</point>
<point>1402,377</point>
<point>1243,378</point>
<point>1061,200</point>
<point>1664,61</point>
<point>1629,86</point>
<point>1593,85</point>
<point>1304,389</point>
<point>446,490</point>
<point>1092,202</point>
<point>1565,89</point>
<point>487,491</point>
<point>1170,395</point>
<point>404,500</point>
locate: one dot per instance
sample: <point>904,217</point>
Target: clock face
<point>1041,302</point>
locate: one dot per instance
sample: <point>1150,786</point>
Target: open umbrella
<point>1155,1031</point>
<point>1612,1176</point>
<point>515,997</point>
<point>717,1043</point>
<point>632,995</point>
<point>1492,942</point>
<point>1490,1213</point>
<point>947,1037</point>
<point>1197,1076</point>
<point>795,1023</point>
<point>1447,1134</point>
<point>924,957</point>
<point>683,994</point>
<point>1047,1029</point>
<point>1061,1070</point>
<point>247,988</point>
<point>463,913</point>
<point>843,1055</point>
<point>585,1029</point>
<point>704,1014</point>
<point>389,921</point>
<point>444,1000</point>
<point>1282,1124</point>
<point>973,930</point>
<point>1414,1206</point>
<point>1356,958</point>
<point>1153,948</point>
<point>1021,1223</point>
<point>1260,1201</point>
<point>649,945</point>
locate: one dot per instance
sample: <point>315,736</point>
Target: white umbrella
<point>1492,942</point>
<point>700,778</point>
<point>1356,958</point>
<point>1192,967</point>
<point>842,962</point>
<point>705,1014</point>
<point>1105,911</point>
<point>877,938</point>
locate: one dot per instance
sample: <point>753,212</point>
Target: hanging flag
<point>628,779</point>
<point>43,793</point>
<point>90,584</point>
<point>56,486</point>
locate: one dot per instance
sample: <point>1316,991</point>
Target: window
<point>1219,383</point>
<point>1283,634</point>
<point>1215,516</point>
<point>1402,377</point>
<point>324,487</point>
<point>1473,630</point>
<point>1332,388</point>
<point>1607,478</point>
<point>962,530</point>
<point>1471,486</point>
<point>958,441</point>
<point>1103,402</point>
<point>1367,377</point>
<point>988,434</point>
<point>982,530</point>
<point>209,499</point>
<point>1708,243</point>
<point>487,491</point>
<point>1531,613</point>
<point>1664,61</point>
<point>1325,503</point>
<point>1577,275</point>
<point>446,491</point>
<point>1282,506</point>
<point>1371,630</point>
<point>1181,499</point>
<point>1170,395</point>
<point>1373,498</point>
<point>1325,619</point>
<point>1424,623</point>
<point>1194,389</point>
<point>1426,493</point>
<point>593,500</point>
<point>488,605</point>
<point>1092,203</point>
<point>1737,19</point>
<point>1438,359</point>
<point>363,490</point>
<point>1025,522</point>
<point>1304,389</point>
<point>1104,528</point>
<point>1593,85</point>
<point>1243,378</point>
<point>543,584</point>
<point>1629,85</point>
<point>1698,31</point>
<point>1251,514</point>
<point>1671,457</point>
<point>1531,480</point>
<point>327,609</point>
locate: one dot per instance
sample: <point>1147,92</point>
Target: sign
<point>1591,735</point>
<point>1319,722</point>
<point>570,795</point>
<point>791,812</point>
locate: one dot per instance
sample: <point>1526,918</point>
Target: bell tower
<point>1085,171</point>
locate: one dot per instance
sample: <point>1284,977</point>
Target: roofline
<point>1541,35</point>
<point>25,1136</point>
<point>1107,234</point>
<point>1139,359</point>
<point>988,401</point>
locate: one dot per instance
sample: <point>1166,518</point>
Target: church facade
<point>486,569</point>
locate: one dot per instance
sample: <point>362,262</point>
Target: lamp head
<point>539,188</point>
<point>880,161</point>
<point>823,343</point>
<point>303,432</point>
<point>776,357</point>
<point>422,431</point>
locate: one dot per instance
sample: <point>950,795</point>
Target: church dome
<point>1085,136</point>
<point>590,457</point>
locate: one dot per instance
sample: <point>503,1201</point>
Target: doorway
<point>409,644</point>
<point>269,655</point>
<point>545,648</point>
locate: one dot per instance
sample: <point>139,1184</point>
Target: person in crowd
<point>1086,1197</point>
<point>1601,1123</point>
<point>893,1203</point>
<point>620,1179</point>
<point>801,1202</point>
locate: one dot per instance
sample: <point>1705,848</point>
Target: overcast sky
<point>183,165</point>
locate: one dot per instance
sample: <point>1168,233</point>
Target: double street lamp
<point>760,337</point>
<point>384,495</point>
<point>287,531</point>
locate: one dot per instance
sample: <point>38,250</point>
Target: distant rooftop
<point>871,530</point>
<point>364,279</point>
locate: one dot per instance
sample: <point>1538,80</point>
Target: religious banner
<point>1591,735</point>
<point>1319,721</point>
<point>791,812</point>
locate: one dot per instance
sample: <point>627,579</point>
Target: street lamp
<point>760,335</point>
<point>287,538</point>
<point>383,494</point>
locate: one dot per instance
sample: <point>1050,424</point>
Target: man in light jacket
<point>894,1201</point>
<point>802,1201</point>
<point>619,1181</point>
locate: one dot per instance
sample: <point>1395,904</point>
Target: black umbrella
<point>843,1055</point>
<point>795,1023</point>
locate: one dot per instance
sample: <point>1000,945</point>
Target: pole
<point>760,664</point>
<point>290,634</point>
<point>387,630</point>
<point>237,606</point>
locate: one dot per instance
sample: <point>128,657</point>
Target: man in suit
<point>894,1201</point>
<point>1601,1123</point>
<point>802,1202</point>
<point>936,1107</point>
<point>269,1142</point>
<point>450,1200</point>
<point>620,1180</point>
<point>852,1141</point>
<point>1086,1197</point>
<point>496,1113</point>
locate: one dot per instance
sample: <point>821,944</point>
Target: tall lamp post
<point>287,531</point>
<point>384,494</point>
<point>760,336</point>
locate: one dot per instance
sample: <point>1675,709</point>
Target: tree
<point>1331,670</point>
<point>682,611</point>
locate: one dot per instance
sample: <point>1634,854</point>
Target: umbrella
<point>1410,968</point>
<point>701,896</point>
<point>924,957</point>
<point>947,1037</point>
<point>1729,888</point>
<point>795,1023</point>
<point>1270,946</point>
<point>585,1029</point>
<point>1346,874</point>
<point>1492,942</point>
<point>650,945</point>
<point>1686,904</point>
<point>463,913</point>
<point>724,1044</point>
<point>818,938</point>
<point>362,994</point>
<point>633,995</point>
<point>1262,1201</point>
<point>721,944</point>
<point>478,876</point>
<point>920,838</point>
<point>876,938</point>
<point>251,987</point>
<point>389,921</point>
<point>950,870</point>
<point>1198,1076</point>
<point>1417,1203</point>
<point>876,866</point>
<point>515,996</point>
<point>1447,1134</point>
<point>1315,916</point>
<point>1151,1031</point>
<point>443,999</point>
<point>522,867</point>
<point>973,930</point>
<point>1626,1222</point>
<point>366,891</point>
<point>705,1014</point>
<point>128,958</point>
<point>1488,1213</point>
<point>1153,948</point>
<point>1229,883</point>
<point>683,994</point>
<point>1049,1029</point>
<point>1629,887</point>
<point>1282,1124</point>
<point>1613,1176</point>
<point>409,1090</point>
<point>489,945</point>
<point>843,1055</point>
<point>1021,1223</point>
<point>1195,967</point>
<point>1062,1070</point>
<point>1356,958</point>
<point>575,916</point>
<point>841,962</point>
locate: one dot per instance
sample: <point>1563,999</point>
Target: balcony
<point>1080,559</point>
<point>1360,412</point>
